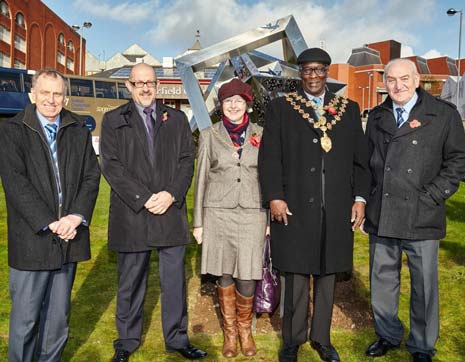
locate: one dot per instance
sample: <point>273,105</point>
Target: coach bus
<point>87,96</point>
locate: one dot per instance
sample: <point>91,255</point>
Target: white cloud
<point>406,51</point>
<point>432,53</point>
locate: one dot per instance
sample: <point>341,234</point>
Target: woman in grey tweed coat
<point>228,218</point>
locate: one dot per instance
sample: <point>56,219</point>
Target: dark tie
<point>52,129</point>
<point>149,122</point>
<point>399,119</point>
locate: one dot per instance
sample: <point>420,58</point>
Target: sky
<point>166,28</point>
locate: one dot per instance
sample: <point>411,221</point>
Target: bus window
<point>105,89</point>
<point>27,82</point>
<point>123,92</point>
<point>81,87</point>
<point>10,82</point>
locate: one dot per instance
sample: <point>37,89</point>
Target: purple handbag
<point>268,290</point>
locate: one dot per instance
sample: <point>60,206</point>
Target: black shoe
<point>380,347</point>
<point>189,352</point>
<point>121,355</point>
<point>327,352</point>
<point>421,357</point>
<point>288,354</point>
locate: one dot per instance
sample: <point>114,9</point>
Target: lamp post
<point>86,24</point>
<point>370,75</point>
<point>452,12</point>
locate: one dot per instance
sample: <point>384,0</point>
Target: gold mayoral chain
<point>335,108</point>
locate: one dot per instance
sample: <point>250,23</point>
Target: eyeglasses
<point>318,71</point>
<point>140,84</point>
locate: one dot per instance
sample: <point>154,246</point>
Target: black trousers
<point>296,302</point>
<point>133,269</point>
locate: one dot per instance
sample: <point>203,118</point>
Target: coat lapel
<point>133,120</point>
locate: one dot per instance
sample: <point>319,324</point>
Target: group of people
<point>310,178</point>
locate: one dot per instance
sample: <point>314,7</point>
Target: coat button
<point>312,169</point>
<point>386,194</point>
<point>137,197</point>
<point>238,180</point>
<point>414,142</point>
<point>447,191</point>
<point>315,140</point>
<point>238,164</point>
<point>406,198</point>
<point>388,168</point>
<point>409,170</point>
<point>311,199</point>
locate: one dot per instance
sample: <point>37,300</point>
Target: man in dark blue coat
<point>50,176</point>
<point>417,148</point>
<point>313,168</point>
<point>147,154</point>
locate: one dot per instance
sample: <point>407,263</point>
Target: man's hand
<point>159,203</point>
<point>279,211</point>
<point>66,227</point>
<point>358,214</point>
<point>198,233</point>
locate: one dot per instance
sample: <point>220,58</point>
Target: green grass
<point>93,306</point>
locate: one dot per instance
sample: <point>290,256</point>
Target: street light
<point>363,99</point>
<point>452,12</point>
<point>370,75</point>
<point>86,24</point>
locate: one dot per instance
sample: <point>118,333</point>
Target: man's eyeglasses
<point>140,84</point>
<point>318,71</point>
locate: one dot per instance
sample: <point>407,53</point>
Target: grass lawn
<point>93,305</point>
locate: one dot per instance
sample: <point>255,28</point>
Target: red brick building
<point>33,37</point>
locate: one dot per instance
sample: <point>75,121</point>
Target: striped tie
<point>400,120</point>
<point>52,130</point>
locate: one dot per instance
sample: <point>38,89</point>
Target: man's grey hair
<point>49,72</point>
<point>400,60</point>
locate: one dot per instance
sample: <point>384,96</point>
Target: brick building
<point>33,37</point>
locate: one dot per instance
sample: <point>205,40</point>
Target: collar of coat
<point>29,118</point>
<point>423,111</point>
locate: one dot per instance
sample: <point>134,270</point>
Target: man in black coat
<point>313,168</point>
<point>417,148</point>
<point>50,176</point>
<point>147,155</point>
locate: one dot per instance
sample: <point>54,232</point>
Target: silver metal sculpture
<point>237,57</point>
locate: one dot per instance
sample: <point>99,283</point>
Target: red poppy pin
<point>331,110</point>
<point>164,117</point>
<point>255,140</point>
<point>415,123</point>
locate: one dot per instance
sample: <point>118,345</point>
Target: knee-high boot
<point>244,324</point>
<point>227,300</point>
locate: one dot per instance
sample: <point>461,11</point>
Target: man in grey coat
<point>147,155</point>
<point>417,148</point>
<point>50,176</point>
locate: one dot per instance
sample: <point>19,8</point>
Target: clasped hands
<point>158,203</point>
<point>66,227</point>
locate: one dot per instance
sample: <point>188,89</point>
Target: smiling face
<point>234,108</point>
<point>314,77</point>
<point>401,81</point>
<point>48,94</point>
<point>146,95</point>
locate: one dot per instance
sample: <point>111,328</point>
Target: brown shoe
<point>227,300</point>
<point>244,324</point>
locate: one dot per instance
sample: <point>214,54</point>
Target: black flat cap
<point>312,55</point>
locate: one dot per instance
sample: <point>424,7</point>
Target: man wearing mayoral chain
<point>314,177</point>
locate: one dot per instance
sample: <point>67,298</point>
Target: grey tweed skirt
<point>233,242</point>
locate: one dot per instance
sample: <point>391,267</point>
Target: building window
<point>4,60</point>
<point>20,20</point>
<point>19,64</point>
<point>60,58</point>
<point>4,9</point>
<point>61,39</point>
<point>70,46</point>
<point>69,64</point>
<point>20,43</point>
<point>5,34</point>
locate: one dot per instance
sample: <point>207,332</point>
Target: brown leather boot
<point>227,299</point>
<point>244,324</point>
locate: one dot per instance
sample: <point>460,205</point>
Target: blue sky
<point>168,27</point>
